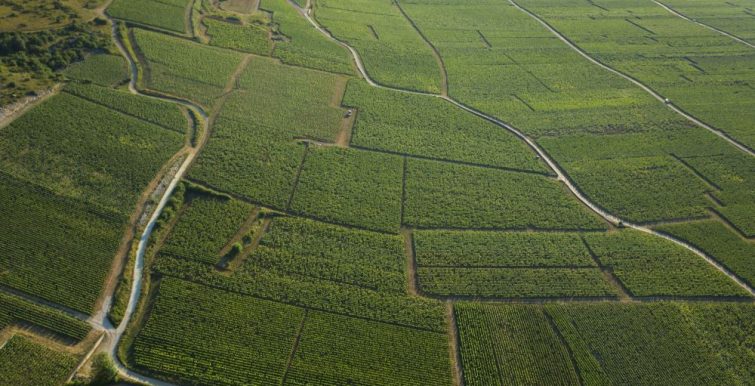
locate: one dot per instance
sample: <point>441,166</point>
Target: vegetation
<point>351,187</point>
<point>196,333</point>
<point>104,70</point>
<point>651,266</point>
<point>259,158</point>
<point>56,261</point>
<point>87,151</point>
<point>183,68</point>
<point>718,241</point>
<point>205,226</point>
<point>430,127</point>
<point>165,14</point>
<point>298,43</point>
<point>393,51</point>
<point>17,311</point>
<point>514,282</point>
<point>26,363</point>
<point>35,15</point>
<point>500,249</point>
<point>299,247</point>
<point>444,195</point>
<point>511,345</point>
<point>251,38</point>
<point>336,349</point>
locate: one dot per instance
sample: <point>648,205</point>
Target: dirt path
<point>411,262</point>
<point>560,174</point>
<point>454,346</point>
<point>636,82</point>
<point>708,26</point>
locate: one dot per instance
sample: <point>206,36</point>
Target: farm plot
<point>24,362</point>
<point>298,43</point>
<point>651,266</point>
<point>698,69</point>
<point>732,16</point>
<point>718,241</point>
<point>732,176</point>
<point>429,127</point>
<point>500,249</point>
<point>518,72</point>
<point>86,151</point>
<point>166,14</point>
<point>511,345</point>
<point>17,311</point>
<point>323,295</point>
<point>251,38</point>
<point>640,343</point>
<point>394,53</point>
<point>472,282</point>
<point>205,226</point>
<point>252,150</point>
<point>184,68</point>
<point>443,195</point>
<point>642,189</point>
<point>199,334</point>
<point>351,187</point>
<point>161,113</point>
<point>310,249</point>
<point>53,247</point>
<point>104,70</point>
<point>337,349</point>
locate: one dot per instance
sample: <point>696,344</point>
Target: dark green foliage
<point>105,70</point>
<point>26,363</point>
<point>15,310</point>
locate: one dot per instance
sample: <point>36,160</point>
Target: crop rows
<point>54,247</point>
<point>685,62</point>
<point>249,38</point>
<point>500,249</point>
<point>84,150</point>
<point>164,114</point>
<point>337,349</point>
<point>351,187</point>
<point>300,44</point>
<point>511,345</point>
<point>105,70</point>
<point>300,247</point>
<point>651,266</point>
<point>721,243</point>
<point>430,127</point>
<point>166,14</point>
<point>394,52</point>
<point>14,310</point>
<point>258,158</point>
<point>456,196</point>
<point>204,335</point>
<point>184,68</point>
<point>205,226</point>
<point>312,293</point>
<point>514,282</point>
<point>26,363</point>
<point>732,16</point>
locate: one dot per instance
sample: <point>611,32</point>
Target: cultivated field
<point>407,192</point>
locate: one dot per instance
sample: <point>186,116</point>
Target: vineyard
<point>395,54</point>
<point>164,14</point>
<point>26,363</point>
<point>378,192</point>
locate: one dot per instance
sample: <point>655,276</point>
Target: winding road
<point>635,81</point>
<point>710,27</point>
<point>561,175</point>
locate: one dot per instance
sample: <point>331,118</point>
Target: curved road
<point>561,175</point>
<point>116,333</point>
<point>710,27</point>
<point>636,82</point>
